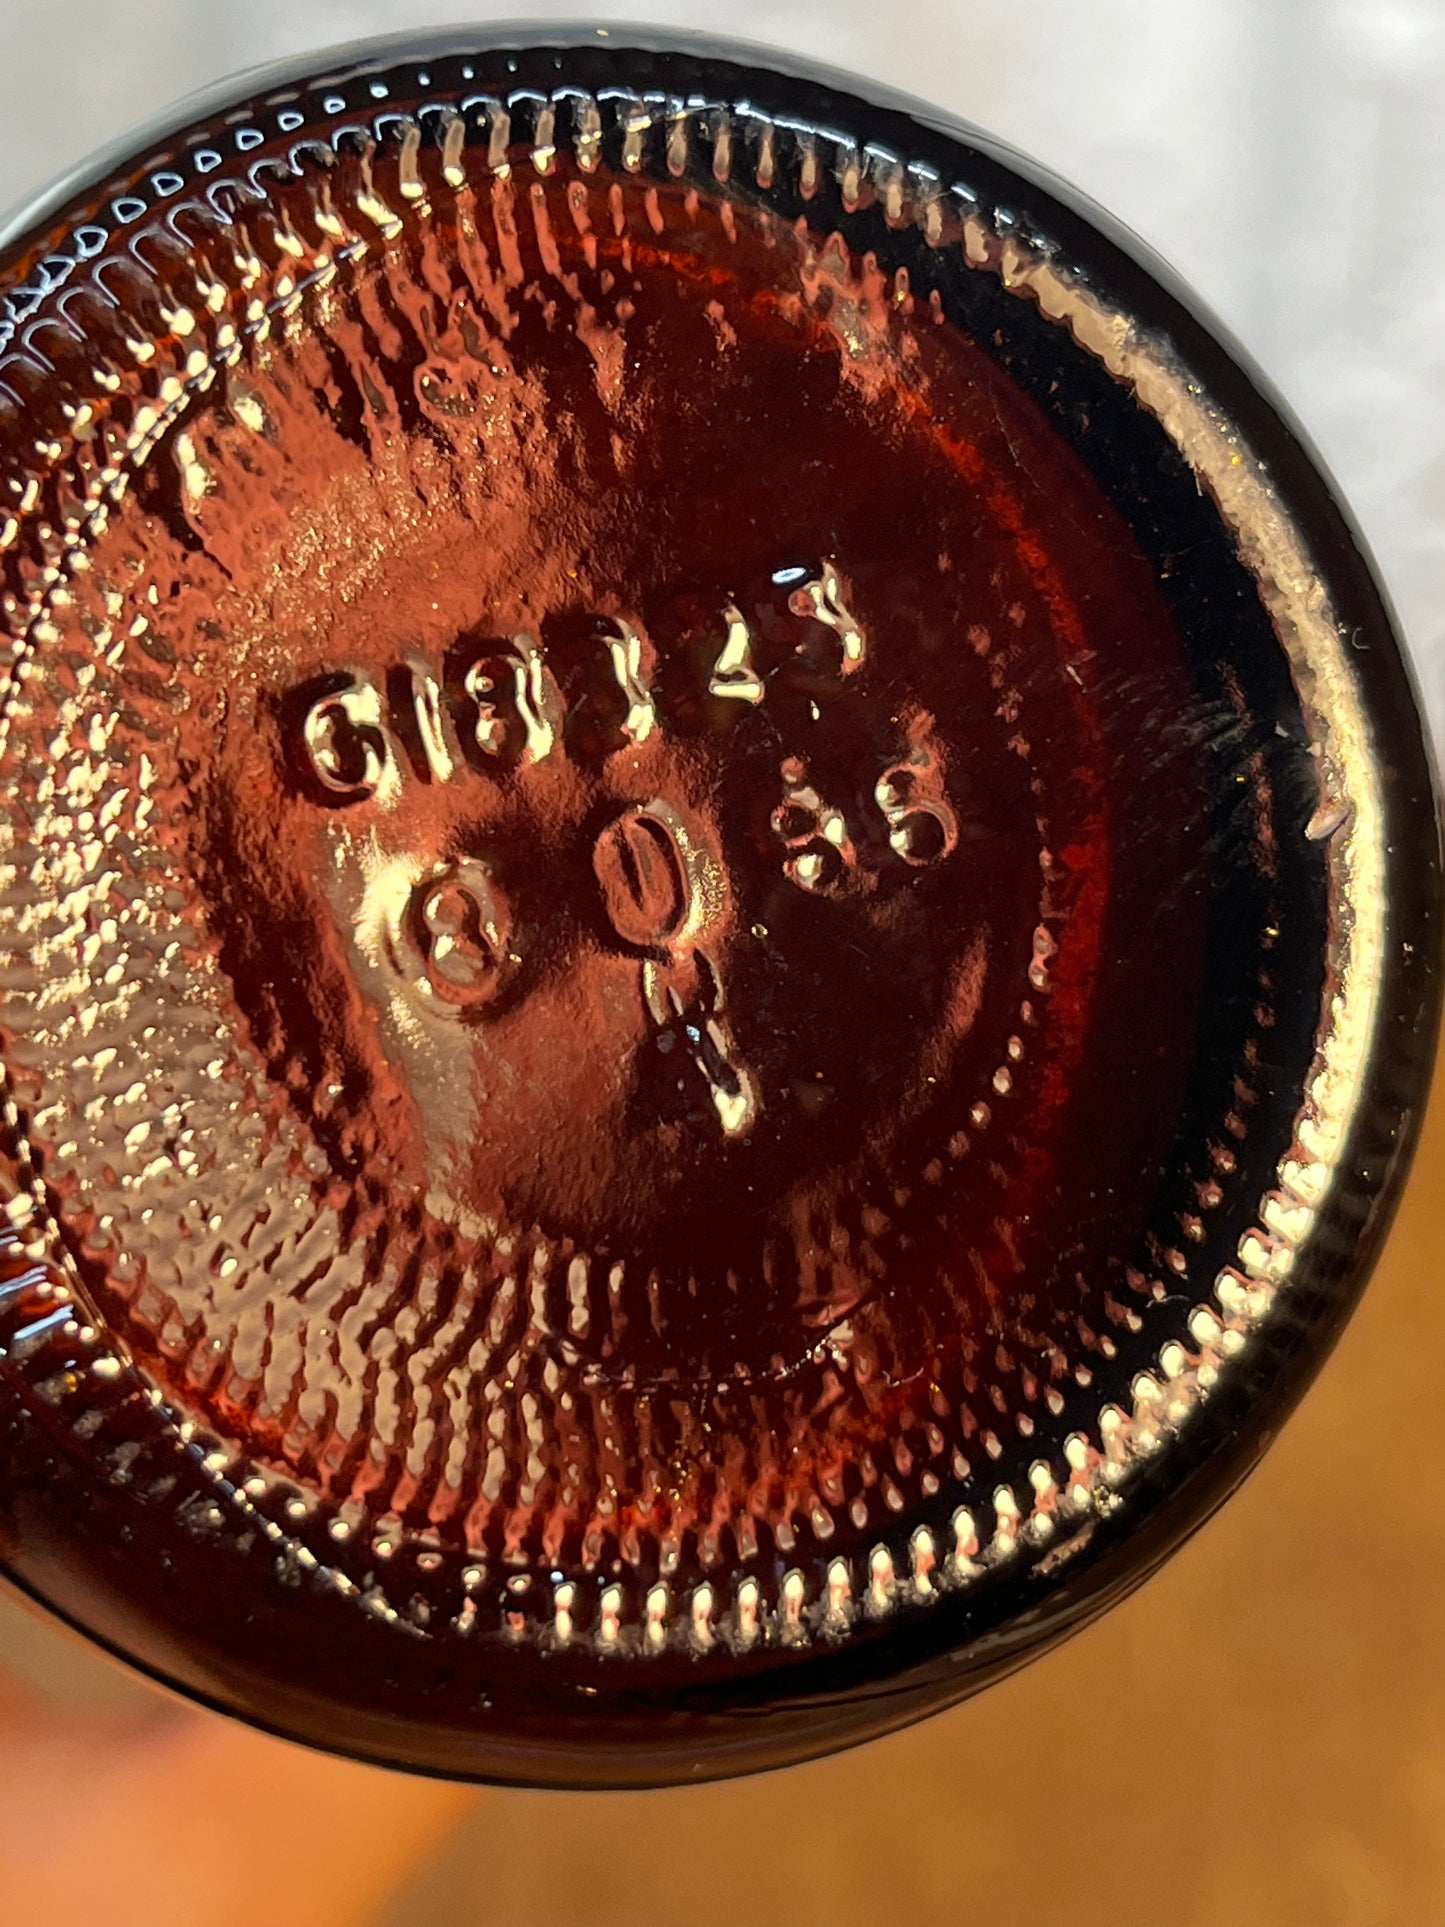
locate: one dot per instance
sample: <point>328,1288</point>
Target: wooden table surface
<point>1256,1739</point>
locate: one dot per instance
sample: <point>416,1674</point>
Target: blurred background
<point>1259,1736</point>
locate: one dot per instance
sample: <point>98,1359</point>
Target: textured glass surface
<point>694,897</point>
<point>1243,141</point>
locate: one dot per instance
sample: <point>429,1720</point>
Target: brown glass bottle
<point>712,965</point>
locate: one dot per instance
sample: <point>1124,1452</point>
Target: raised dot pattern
<point>100,950</point>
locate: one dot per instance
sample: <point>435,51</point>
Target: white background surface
<point>1287,155</point>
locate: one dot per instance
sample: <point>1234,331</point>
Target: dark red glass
<point>714,967</point>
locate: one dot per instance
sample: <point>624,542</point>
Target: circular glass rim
<point>1323,1225</point>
